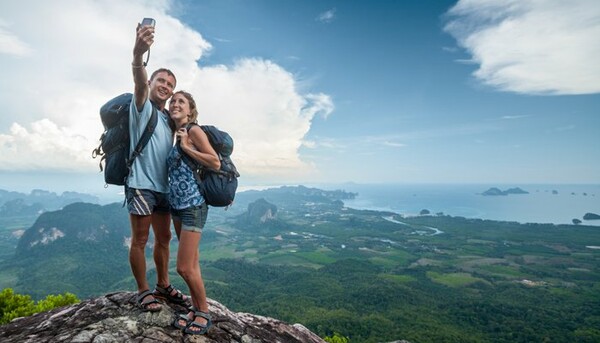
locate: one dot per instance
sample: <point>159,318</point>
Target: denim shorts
<point>192,218</point>
<point>144,202</point>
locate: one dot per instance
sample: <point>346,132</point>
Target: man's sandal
<point>167,294</point>
<point>145,306</point>
<point>189,329</point>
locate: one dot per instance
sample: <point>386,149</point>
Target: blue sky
<point>486,91</point>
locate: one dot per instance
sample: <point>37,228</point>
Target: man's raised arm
<point>143,41</point>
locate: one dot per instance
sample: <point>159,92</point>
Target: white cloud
<point>508,117</point>
<point>81,58</point>
<point>327,16</point>
<point>531,46</point>
<point>256,101</point>
<point>331,144</point>
<point>394,144</point>
<point>10,44</point>
<point>44,146</point>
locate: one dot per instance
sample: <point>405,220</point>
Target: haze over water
<point>541,205</point>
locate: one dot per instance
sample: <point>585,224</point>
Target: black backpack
<point>114,142</point>
<point>218,187</point>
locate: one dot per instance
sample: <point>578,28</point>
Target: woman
<point>188,208</point>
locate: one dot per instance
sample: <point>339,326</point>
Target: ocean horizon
<point>544,203</point>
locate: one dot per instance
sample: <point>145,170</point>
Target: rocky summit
<point>115,318</point>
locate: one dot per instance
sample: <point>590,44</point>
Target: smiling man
<point>147,185</point>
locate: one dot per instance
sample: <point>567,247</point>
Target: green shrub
<point>336,338</point>
<point>13,305</point>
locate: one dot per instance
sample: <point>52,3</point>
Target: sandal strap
<point>202,314</point>
<point>141,296</point>
<point>169,290</point>
<point>181,317</point>
<point>198,325</point>
<point>189,329</point>
<point>194,324</point>
<point>145,304</point>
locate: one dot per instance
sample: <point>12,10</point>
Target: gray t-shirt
<point>150,167</point>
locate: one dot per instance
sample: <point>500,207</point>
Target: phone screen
<point>148,22</point>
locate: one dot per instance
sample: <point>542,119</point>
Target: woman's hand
<point>182,135</point>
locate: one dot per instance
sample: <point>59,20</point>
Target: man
<point>147,186</point>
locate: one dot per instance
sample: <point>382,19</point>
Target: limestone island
<point>591,216</point>
<point>496,191</point>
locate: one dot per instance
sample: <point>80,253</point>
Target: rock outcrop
<point>261,211</point>
<point>115,318</point>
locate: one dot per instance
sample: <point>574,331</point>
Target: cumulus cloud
<point>39,147</point>
<point>531,46</point>
<point>256,101</point>
<point>57,75</point>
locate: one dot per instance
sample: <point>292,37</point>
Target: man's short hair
<point>170,73</point>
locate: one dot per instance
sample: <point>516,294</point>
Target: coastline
<point>544,204</point>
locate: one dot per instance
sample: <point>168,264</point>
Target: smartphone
<point>148,22</point>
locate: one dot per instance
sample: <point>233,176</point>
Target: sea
<point>555,204</point>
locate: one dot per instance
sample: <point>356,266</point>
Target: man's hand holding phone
<point>144,37</point>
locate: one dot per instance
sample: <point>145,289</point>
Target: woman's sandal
<point>145,305</point>
<point>183,317</point>
<point>194,324</point>
<point>166,293</point>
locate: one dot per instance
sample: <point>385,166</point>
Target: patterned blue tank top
<point>183,189</point>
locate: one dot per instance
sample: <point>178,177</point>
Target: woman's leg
<point>188,266</point>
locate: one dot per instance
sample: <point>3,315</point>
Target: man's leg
<point>161,225</point>
<point>140,227</point>
<point>139,204</point>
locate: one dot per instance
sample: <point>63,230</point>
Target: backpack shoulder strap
<point>141,144</point>
<point>186,158</point>
<point>189,126</point>
<point>191,163</point>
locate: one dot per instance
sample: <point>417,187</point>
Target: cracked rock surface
<point>115,318</point>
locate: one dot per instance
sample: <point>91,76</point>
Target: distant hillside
<point>297,195</point>
<point>38,201</point>
<point>80,249</point>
